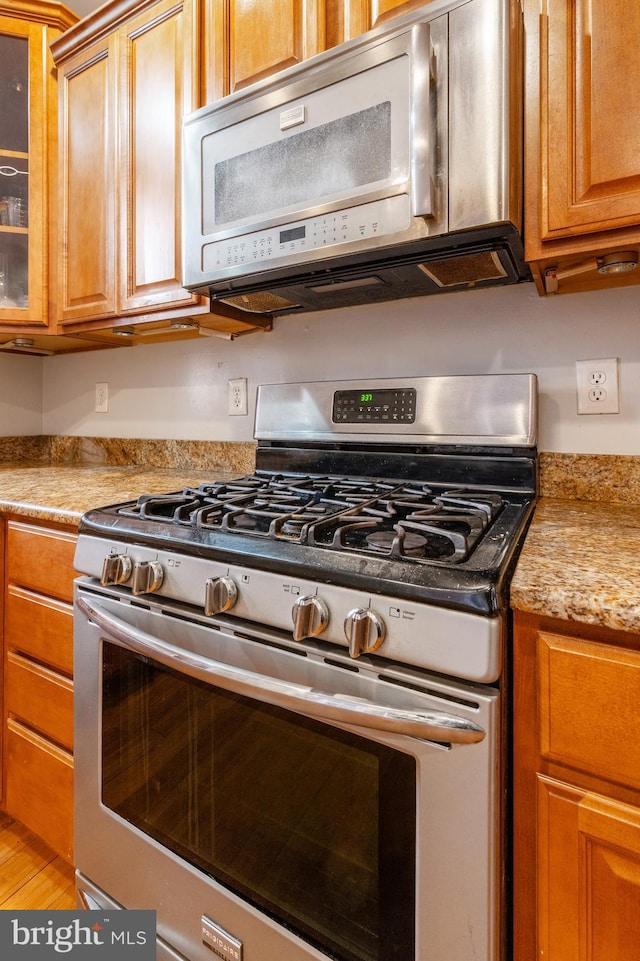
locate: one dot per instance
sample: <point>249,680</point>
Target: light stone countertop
<point>58,478</point>
<point>581,562</point>
<point>61,494</point>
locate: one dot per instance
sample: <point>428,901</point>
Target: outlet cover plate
<point>102,398</point>
<point>597,383</point>
<point>237,396</point>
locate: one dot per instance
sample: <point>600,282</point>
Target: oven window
<point>314,826</point>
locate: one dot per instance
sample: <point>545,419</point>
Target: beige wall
<point>20,395</point>
<point>179,391</point>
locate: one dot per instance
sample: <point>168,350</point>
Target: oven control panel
<point>436,638</point>
<point>376,406</point>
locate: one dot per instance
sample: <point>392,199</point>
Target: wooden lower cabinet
<point>588,874</point>
<point>38,681</point>
<point>576,763</point>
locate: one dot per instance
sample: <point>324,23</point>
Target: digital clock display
<point>366,398</point>
<point>293,233</point>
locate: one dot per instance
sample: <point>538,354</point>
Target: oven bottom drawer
<point>89,897</point>
<point>39,786</point>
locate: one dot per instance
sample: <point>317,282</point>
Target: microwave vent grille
<point>468,269</point>
<point>262,302</point>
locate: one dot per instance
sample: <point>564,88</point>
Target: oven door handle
<point>427,725</point>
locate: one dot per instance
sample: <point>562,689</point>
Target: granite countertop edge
<point>581,557</point>
<point>581,562</point>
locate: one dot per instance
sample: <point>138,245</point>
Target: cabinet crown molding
<point>96,25</point>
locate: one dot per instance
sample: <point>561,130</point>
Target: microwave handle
<point>426,725</point>
<point>423,122</point>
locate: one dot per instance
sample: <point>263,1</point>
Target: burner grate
<point>405,520</point>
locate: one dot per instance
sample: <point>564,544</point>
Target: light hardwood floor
<point>32,876</point>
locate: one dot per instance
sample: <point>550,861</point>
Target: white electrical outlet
<point>102,399</point>
<point>237,397</point>
<point>597,382</point>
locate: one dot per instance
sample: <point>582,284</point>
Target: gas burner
<point>383,541</point>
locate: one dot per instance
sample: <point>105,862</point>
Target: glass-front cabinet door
<point>14,172</point>
<point>28,132</point>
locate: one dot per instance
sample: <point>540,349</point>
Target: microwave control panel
<point>280,244</point>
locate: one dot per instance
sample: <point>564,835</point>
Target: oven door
<point>274,800</point>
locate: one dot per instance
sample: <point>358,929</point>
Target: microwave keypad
<point>279,244</point>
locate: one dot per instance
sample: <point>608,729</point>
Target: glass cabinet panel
<point>14,170</point>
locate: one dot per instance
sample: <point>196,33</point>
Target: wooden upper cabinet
<point>582,149</point>
<point>252,39</point>
<point>247,40</point>
<point>596,177</point>
<point>28,135</point>
<point>268,35</point>
<point>88,165</point>
<point>366,14</point>
<point>158,84</point>
<point>125,82</point>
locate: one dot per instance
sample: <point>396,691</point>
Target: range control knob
<point>116,569</point>
<point>365,631</point>
<point>147,577</point>
<point>220,594</point>
<point>310,617</point>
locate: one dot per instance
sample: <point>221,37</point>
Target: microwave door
<point>348,141</point>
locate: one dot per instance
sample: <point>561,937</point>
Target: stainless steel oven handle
<point>426,725</point>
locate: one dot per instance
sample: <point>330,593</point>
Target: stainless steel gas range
<point>291,697</point>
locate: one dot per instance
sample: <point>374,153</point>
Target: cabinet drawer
<point>41,559</point>
<point>40,697</point>
<point>588,702</point>
<point>39,787</point>
<point>39,626</point>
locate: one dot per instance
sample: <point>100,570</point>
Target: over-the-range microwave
<point>387,167</point>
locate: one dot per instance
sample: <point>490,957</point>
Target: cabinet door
<point>589,876</point>
<point>576,797</point>
<point>88,164</point>
<point>23,174</point>
<point>592,118</point>
<point>347,19</point>
<point>39,786</point>
<point>41,559</point>
<point>582,141</point>
<point>157,85</point>
<point>252,39</point>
